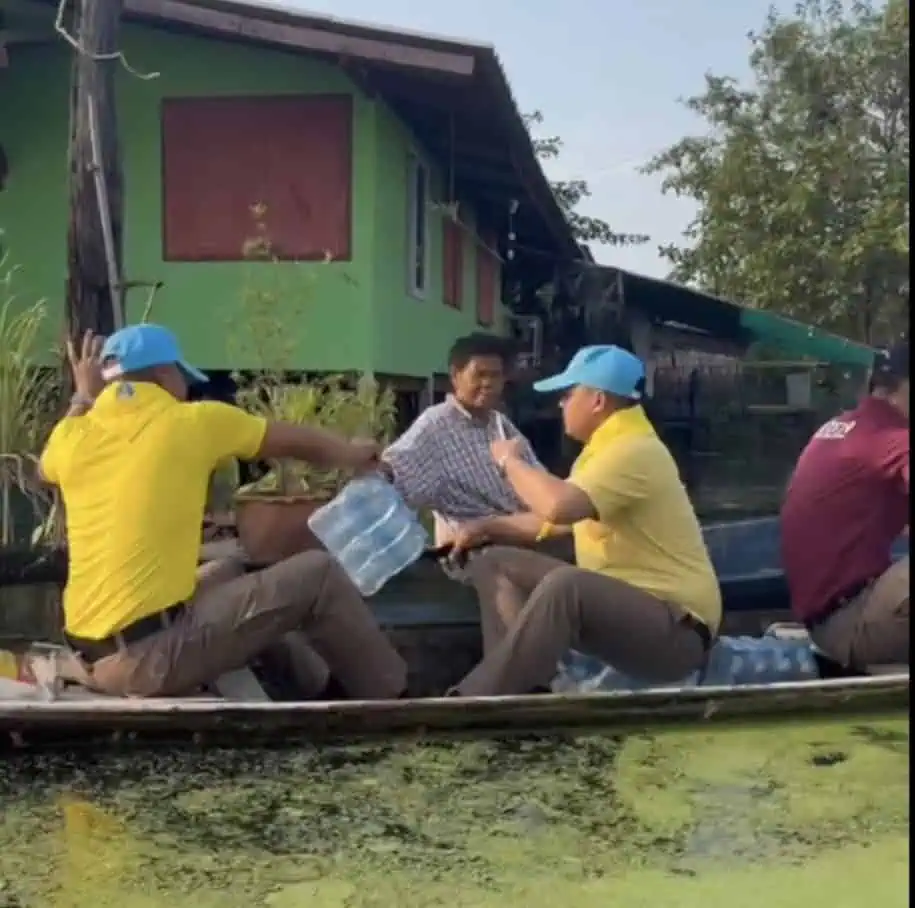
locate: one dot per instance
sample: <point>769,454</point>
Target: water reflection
<point>776,817</point>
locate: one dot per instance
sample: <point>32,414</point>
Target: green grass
<point>805,816</point>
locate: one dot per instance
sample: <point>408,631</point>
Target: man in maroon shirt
<point>846,505</point>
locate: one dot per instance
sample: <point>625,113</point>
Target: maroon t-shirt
<point>846,505</point>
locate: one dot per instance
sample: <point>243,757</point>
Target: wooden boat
<point>90,720</point>
<point>435,626</point>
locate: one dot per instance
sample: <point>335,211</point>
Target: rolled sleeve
<point>414,464</point>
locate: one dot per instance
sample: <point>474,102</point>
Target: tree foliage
<point>802,179</point>
<point>570,193</point>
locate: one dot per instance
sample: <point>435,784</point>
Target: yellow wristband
<point>546,530</point>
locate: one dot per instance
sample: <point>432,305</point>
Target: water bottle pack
<point>733,661</point>
<point>372,533</point>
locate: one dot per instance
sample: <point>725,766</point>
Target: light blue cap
<point>142,347</point>
<point>604,368</point>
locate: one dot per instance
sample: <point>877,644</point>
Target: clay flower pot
<point>272,526</point>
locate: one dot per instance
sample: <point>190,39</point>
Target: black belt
<point>94,650</point>
<point>837,603</point>
<point>701,628</point>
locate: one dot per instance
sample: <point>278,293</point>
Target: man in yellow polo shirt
<point>133,461</point>
<point>644,596</point>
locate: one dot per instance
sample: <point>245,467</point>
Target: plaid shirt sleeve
<point>414,460</point>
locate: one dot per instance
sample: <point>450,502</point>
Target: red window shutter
<point>487,274</point>
<point>222,156</point>
<point>453,263</point>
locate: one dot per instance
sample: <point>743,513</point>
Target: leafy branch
<point>570,194</point>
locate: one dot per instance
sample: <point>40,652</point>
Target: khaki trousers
<point>560,548</point>
<point>873,628</point>
<point>306,605</point>
<point>535,608</point>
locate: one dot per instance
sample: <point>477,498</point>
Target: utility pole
<point>95,286</point>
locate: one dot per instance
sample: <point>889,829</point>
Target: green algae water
<point>777,817</point>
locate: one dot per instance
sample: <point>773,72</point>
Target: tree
<point>570,193</point>
<point>802,180</point>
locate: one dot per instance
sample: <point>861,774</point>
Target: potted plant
<point>272,514</point>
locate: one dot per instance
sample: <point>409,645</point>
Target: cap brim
<point>560,382</point>
<point>194,376</point>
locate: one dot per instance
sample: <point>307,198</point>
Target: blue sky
<point>606,77</point>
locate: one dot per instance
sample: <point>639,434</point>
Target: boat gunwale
<point>487,715</point>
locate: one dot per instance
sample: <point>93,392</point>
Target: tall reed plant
<point>28,399</point>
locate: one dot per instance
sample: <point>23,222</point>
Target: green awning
<point>670,303</point>
<point>793,338</point>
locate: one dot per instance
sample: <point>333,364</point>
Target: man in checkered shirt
<point>442,463</point>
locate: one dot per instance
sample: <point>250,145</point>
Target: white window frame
<point>418,169</point>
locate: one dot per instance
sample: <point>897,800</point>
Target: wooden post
<point>95,290</point>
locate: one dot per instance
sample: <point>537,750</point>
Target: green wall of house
<point>348,315</point>
<point>408,329</point>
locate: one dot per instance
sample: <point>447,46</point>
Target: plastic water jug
<point>733,661</point>
<point>579,673</point>
<point>760,660</point>
<point>372,533</point>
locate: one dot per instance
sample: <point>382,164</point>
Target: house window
<point>418,227</point>
<point>452,263</point>
<point>289,157</point>
<point>487,279</point>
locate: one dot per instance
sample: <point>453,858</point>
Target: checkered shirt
<point>443,463</point>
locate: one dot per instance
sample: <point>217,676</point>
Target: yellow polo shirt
<point>647,533</point>
<point>133,473</point>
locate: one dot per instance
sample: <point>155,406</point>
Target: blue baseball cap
<point>604,368</point>
<point>142,347</point>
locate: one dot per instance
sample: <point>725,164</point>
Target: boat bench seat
<point>393,614</point>
<point>885,670</point>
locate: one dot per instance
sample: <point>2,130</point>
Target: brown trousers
<point>535,608</point>
<point>306,605</point>
<point>561,548</point>
<point>873,628</point>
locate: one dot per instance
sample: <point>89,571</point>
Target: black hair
<point>626,403</point>
<point>478,345</point>
<point>891,368</point>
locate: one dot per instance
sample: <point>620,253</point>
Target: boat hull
<point>90,719</point>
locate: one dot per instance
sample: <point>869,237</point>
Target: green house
<point>393,173</point>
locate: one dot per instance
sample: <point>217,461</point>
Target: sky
<point>607,77</point>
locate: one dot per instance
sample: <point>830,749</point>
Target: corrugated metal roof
<point>671,302</point>
<point>260,6</point>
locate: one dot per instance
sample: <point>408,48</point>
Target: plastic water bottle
<point>739,661</point>
<point>372,533</point>
<point>578,673</point>
<point>583,674</point>
<point>733,662</point>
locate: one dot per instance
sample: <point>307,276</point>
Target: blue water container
<point>740,661</point>
<point>733,661</point>
<point>372,533</point>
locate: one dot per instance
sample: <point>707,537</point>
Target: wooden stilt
<point>94,295</point>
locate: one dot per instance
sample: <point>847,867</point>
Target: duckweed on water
<point>796,816</point>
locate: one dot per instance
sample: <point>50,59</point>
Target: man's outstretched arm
<point>282,440</point>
